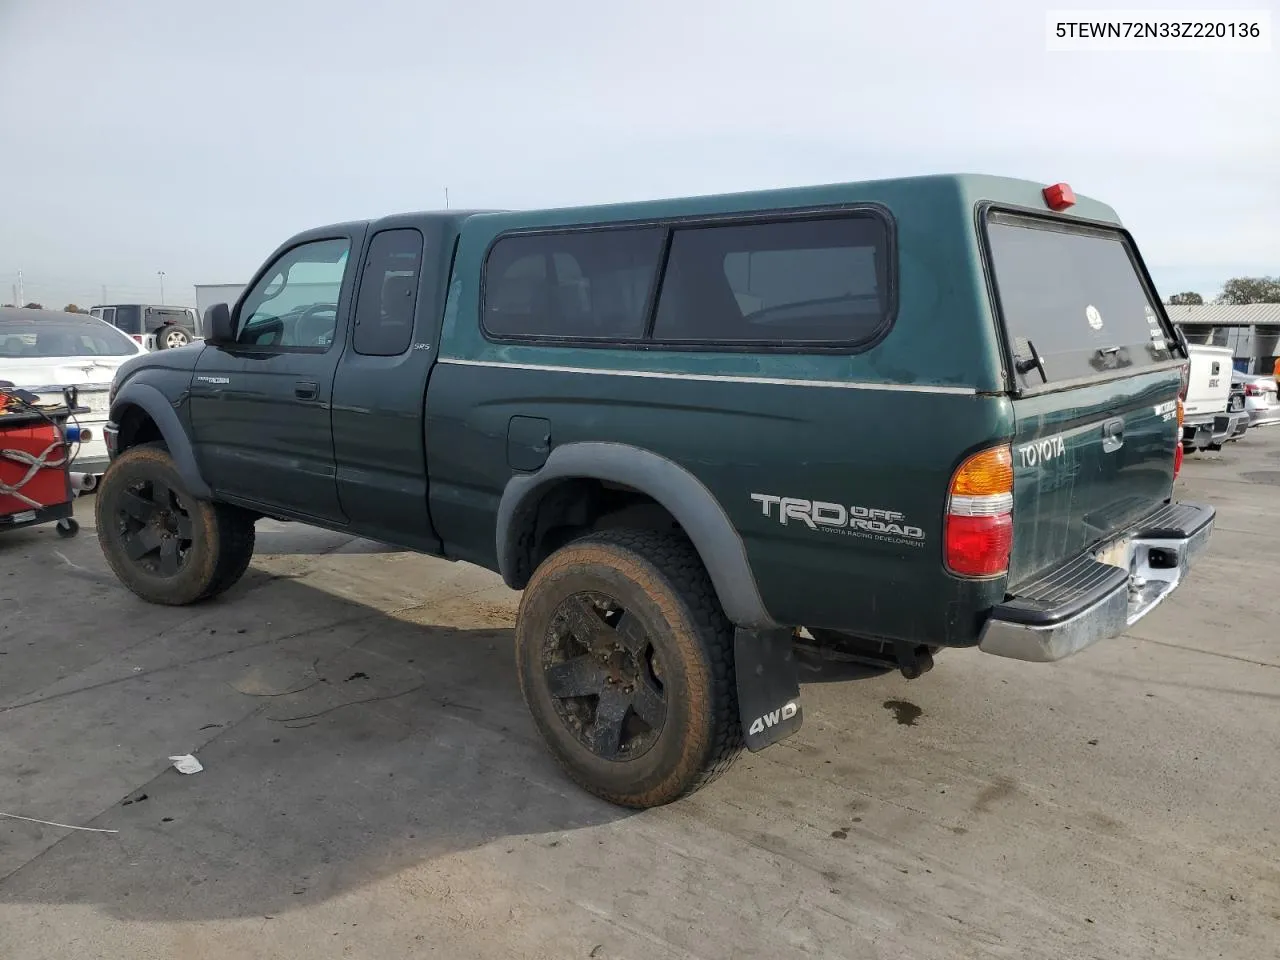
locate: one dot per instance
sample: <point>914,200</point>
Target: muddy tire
<point>625,660</point>
<point>160,541</point>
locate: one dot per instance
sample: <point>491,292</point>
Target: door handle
<point>306,389</point>
<point>1113,435</point>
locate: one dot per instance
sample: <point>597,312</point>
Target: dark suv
<point>172,326</point>
<point>901,415</point>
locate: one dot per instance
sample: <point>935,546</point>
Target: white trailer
<point>208,294</point>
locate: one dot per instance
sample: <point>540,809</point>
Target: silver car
<point>1261,401</point>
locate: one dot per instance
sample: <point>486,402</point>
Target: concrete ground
<point>373,787</point>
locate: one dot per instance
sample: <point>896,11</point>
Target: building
<point>1251,330</point>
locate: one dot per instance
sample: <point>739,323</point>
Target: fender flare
<point>678,491</point>
<point>158,407</point>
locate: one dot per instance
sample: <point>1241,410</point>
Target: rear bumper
<point>1197,434</point>
<point>1227,426</point>
<point>1100,594</point>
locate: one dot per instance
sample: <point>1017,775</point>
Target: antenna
<point>446,198</point>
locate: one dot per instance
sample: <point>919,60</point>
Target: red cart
<point>36,449</point>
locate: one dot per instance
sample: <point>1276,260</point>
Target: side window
<point>808,281</point>
<point>388,294</point>
<point>128,320</point>
<point>295,303</point>
<point>588,285</point>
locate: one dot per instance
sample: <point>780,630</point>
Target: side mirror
<point>218,326</point>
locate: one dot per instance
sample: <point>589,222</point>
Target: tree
<point>1242,290</point>
<point>1189,298</point>
<point>72,308</point>
<point>33,306</point>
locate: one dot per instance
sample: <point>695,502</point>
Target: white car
<point>1260,398</point>
<point>43,351</point>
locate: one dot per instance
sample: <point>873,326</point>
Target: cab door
<point>261,407</point>
<point>380,386</point>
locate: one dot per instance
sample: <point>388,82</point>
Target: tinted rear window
<point>1072,296</point>
<point>161,315</point>
<point>588,285</point>
<point>42,339</point>
<point>793,281</point>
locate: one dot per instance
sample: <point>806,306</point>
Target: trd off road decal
<point>887,526</point>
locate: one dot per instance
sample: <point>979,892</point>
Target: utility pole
<point>446,198</point>
<point>20,302</point>
<point>160,274</point>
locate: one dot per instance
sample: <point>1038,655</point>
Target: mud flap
<point>768,688</point>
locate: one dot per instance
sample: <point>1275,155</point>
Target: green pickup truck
<point>883,417</point>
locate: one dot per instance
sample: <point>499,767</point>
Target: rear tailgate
<point>1209,382</point>
<point>1097,377</point>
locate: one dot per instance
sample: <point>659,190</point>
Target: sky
<point>141,136</point>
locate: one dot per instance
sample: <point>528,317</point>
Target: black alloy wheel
<point>604,678</point>
<point>154,527</point>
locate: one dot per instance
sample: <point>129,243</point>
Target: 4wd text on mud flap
<point>1038,452</point>
<point>821,513</point>
<point>773,717</point>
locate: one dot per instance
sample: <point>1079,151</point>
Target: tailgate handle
<point>306,389</point>
<point>1113,434</point>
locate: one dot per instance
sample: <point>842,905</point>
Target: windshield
<point>40,338</point>
<point>1073,301</point>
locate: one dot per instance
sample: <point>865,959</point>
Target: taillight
<point>978,531</point>
<point>1177,459</point>
<point>1252,390</point>
<point>1184,375</point>
<point>137,337</point>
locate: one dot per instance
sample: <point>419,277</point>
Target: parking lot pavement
<point>373,786</point>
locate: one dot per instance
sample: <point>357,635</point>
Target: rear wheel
<point>160,541</point>
<point>625,660</point>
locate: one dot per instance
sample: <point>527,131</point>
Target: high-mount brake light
<point>1059,196</point>
<point>978,534</point>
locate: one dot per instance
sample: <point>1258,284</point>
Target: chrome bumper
<point>1129,577</point>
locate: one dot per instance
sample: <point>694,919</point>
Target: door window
<point>294,306</point>
<point>388,293</point>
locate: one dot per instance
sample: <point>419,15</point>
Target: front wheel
<point>625,660</point>
<point>160,541</point>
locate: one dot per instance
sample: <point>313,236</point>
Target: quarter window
<point>295,303</point>
<point>388,293</point>
<point>584,285</point>
<point>789,281</point>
